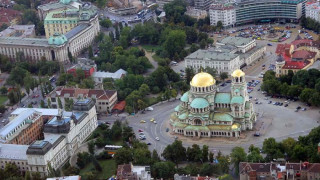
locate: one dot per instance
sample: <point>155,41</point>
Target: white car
<point>155,122</point>
<point>157,138</point>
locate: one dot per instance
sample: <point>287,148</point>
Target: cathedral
<point>206,112</point>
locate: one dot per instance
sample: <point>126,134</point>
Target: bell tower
<point>239,84</point>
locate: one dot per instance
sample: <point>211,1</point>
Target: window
<point>53,99</point>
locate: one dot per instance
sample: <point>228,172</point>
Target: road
<point>273,121</point>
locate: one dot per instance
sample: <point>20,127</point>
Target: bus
<point>112,147</point>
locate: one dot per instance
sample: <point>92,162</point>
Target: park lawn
<point>108,169</point>
<point>156,58</point>
<point>3,99</point>
<point>152,101</point>
<point>149,47</point>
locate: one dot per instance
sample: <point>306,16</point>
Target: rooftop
<point>65,118</point>
<point>18,31</point>
<point>116,75</point>
<point>74,31</point>
<point>65,178</point>
<point>211,55</point>
<point>13,151</point>
<point>58,5</point>
<point>236,41</point>
<point>45,112</point>
<point>36,42</point>
<point>15,122</point>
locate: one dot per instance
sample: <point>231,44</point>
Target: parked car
<point>157,138</point>
<point>257,134</point>
<point>167,130</point>
<point>286,105</point>
<point>142,121</point>
<point>304,109</point>
<point>140,130</point>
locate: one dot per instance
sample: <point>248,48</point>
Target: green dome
<point>65,1</point>
<point>199,103</point>
<point>184,97</point>
<point>57,39</point>
<point>236,91</point>
<point>237,100</point>
<point>183,116</point>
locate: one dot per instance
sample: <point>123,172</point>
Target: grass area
<point>108,169</point>
<point>3,99</point>
<point>156,58</point>
<point>152,100</point>
<point>149,47</point>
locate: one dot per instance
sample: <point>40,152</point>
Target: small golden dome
<point>202,79</point>
<point>235,126</point>
<point>238,73</point>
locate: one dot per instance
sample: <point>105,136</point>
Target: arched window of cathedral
<point>197,122</point>
<point>240,79</point>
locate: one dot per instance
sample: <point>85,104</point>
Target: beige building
<point>63,21</point>
<point>104,99</point>
<point>196,13</point>
<point>222,12</point>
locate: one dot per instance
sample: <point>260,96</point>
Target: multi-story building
<point>298,55</point>
<point>313,10</point>
<point>206,112</point>
<point>104,99</point>
<point>267,10</point>
<point>26,31</point>
<point>231,53</point>
<point>220,61</point>
<point>270,171</point>
<point>45,9</point>
<point>87,65</point>
<point>202,4</point>
<point>63,134</point>
<point>56,47</point>
<point>225,13</point>
<point>23,129</point>
<point>63,21</point>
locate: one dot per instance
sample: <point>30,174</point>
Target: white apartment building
<point>313,10</point>
<point>224,13</point>
<point>220,61</point>
<point>230,53</point>
<point>63,134</point>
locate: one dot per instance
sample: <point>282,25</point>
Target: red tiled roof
<point>281,48</point>
<point>67,91</point>
<point>289,64</point>
<point>7,15</point>
<point>302,42</point>
<point>84,92</point>
<point>303,54</point>
<point>120,106</point>
<point>314,168</point>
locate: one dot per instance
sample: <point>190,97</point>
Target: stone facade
<point>206,112</point>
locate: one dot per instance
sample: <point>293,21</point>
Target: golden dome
<point>235,126</point>
<point>202,79</point>
<point>238,73</point>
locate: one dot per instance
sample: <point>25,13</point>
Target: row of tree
<point>305,85</point>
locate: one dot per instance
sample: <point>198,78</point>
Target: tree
<point>173,93</point>
<point>141,156</point>
<point>189,74</point>
<point>123,156</point>
<point>3,90</point>
<point>206,169</point>
<point>211,157</point>
<point>144,89</point>
<point>90,52</point>
<point>106,23</point>
<point>306,94</point>
<point>155,156</point>
<point>194,153</point>
<point>175,10</point>
<point>11,170</point>
<point>163,170</point>
<point>224,163</point>
<point>70,57</point>
<point>223,76</point>
<point>83,159</point>
<point>175,42</point>
<point>203,44</point>
<point>175,152</point>
<point>238,155</point>
<point>91,147</point>
<point>2,109</point>
<point>96,164</point>
<point>49,103</point>
<point>60,103</point>
<point>205,150</point>
<point>301,78</point>
<point>270,147</point>
<point>288,146</point>
<point>219,25</point>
